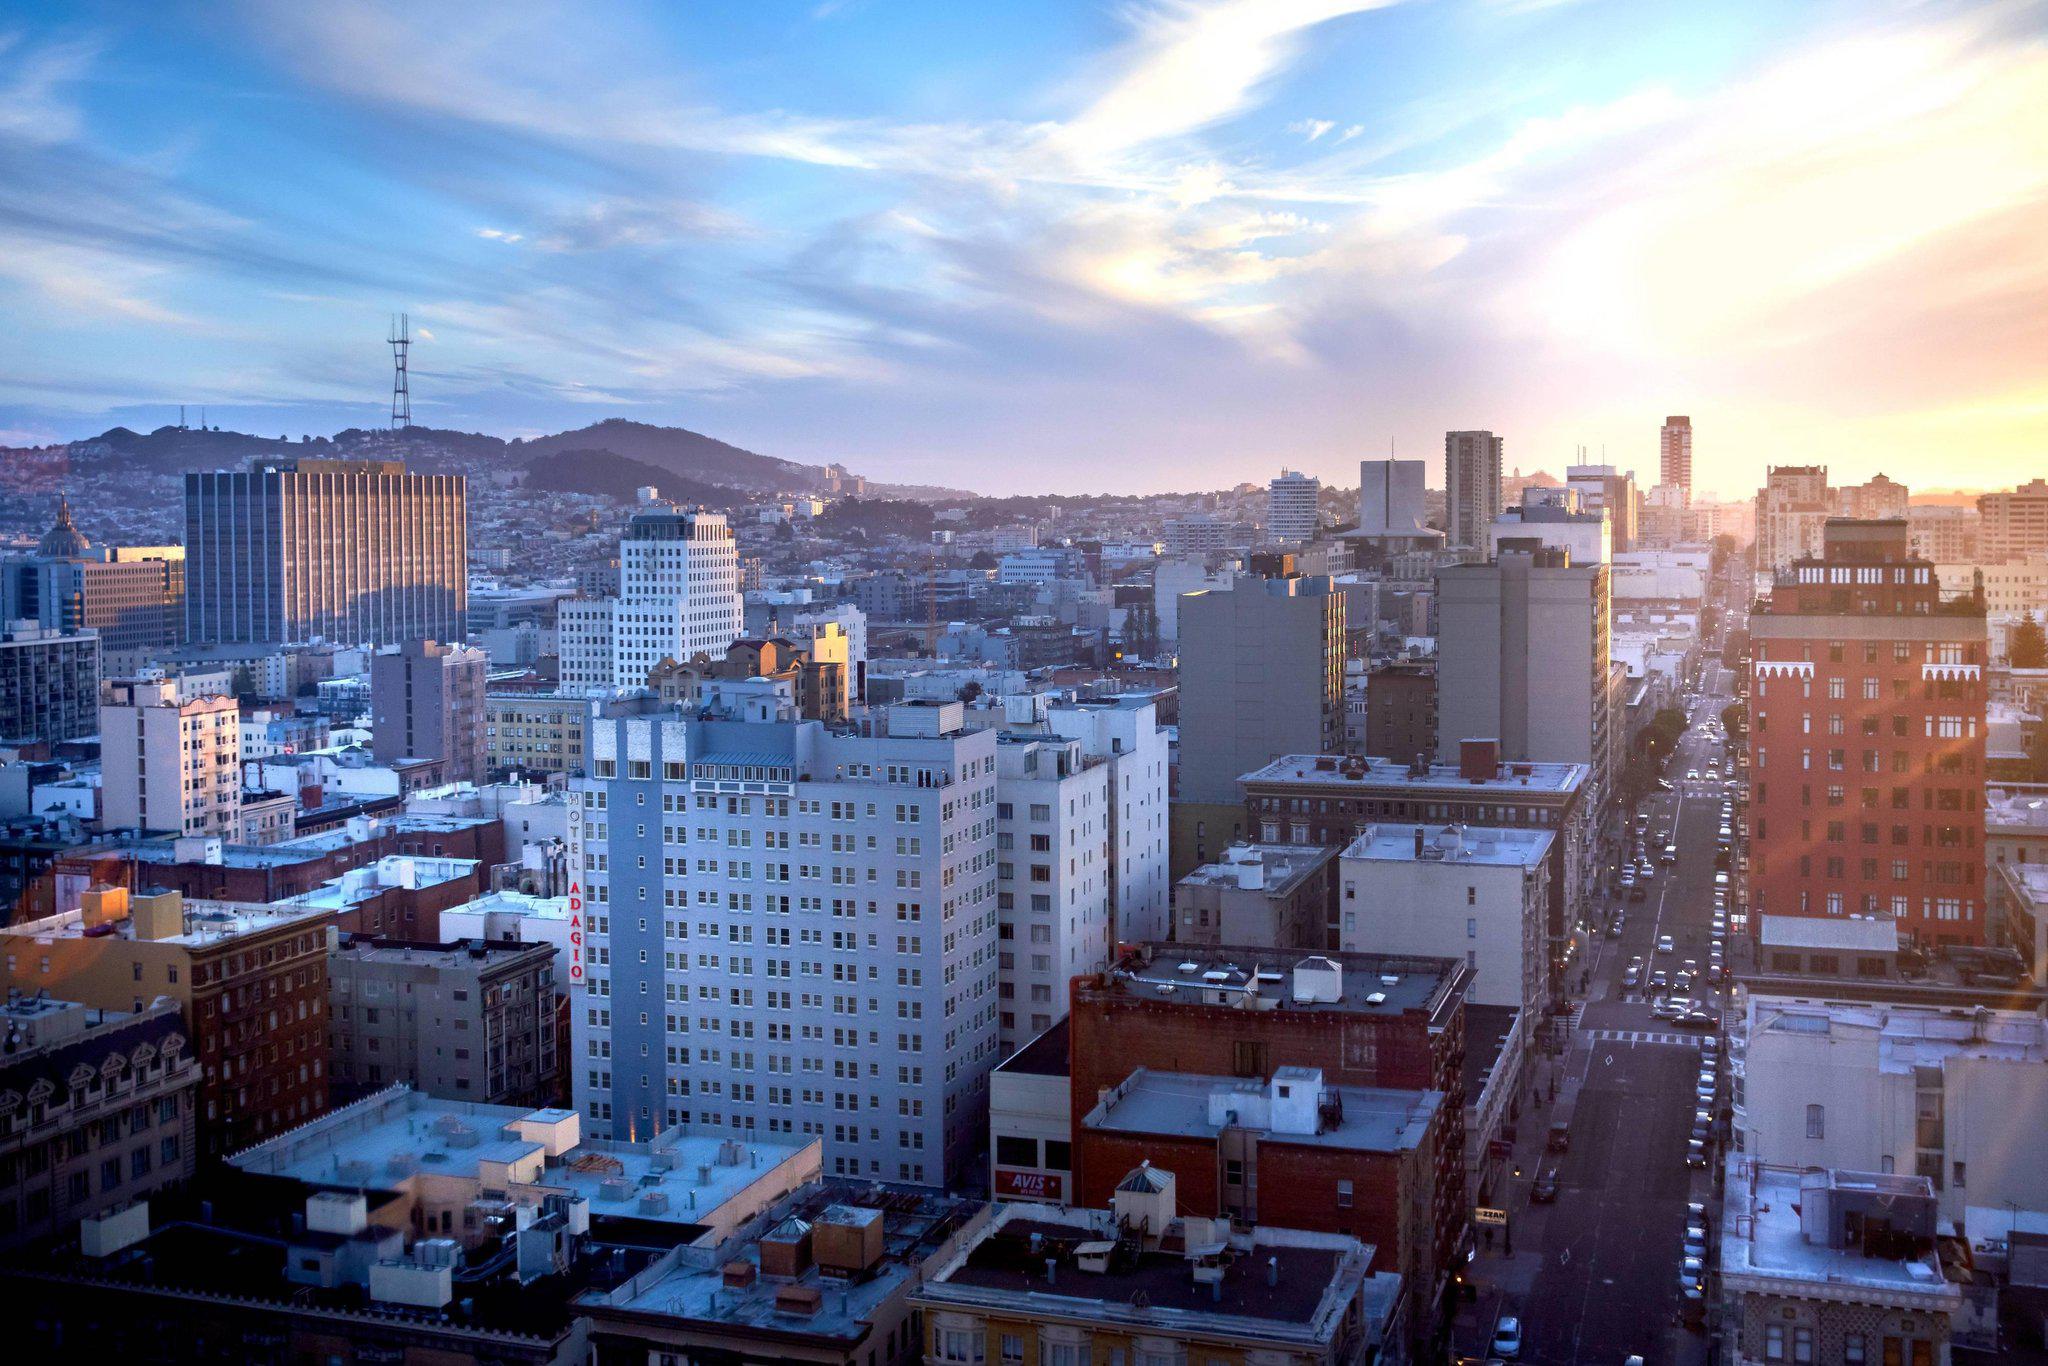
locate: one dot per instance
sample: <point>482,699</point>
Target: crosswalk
<point>1644,1036</point>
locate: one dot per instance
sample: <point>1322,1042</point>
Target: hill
<point>616,476</point>
<point>678,451</point>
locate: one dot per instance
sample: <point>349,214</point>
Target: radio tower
<point>401,389</point>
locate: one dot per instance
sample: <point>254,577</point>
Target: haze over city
<point>1015,248</point>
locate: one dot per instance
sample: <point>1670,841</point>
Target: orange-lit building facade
<point>1866,741</point>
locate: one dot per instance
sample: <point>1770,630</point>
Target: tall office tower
<point>427,702</point>
<point>134,596</point>
<point>1472,465</point>
<point>1674,455</point>
<point>1603,486</point>
<point>1261,675</point>
<point>1522,658</point>
<point>49,684</point>
<point>1866,741</point>
<point>355,551</point>
<point>791,928</point>
<point>679,597</point>
<point>2013,525</point>
<point>1792,511</point>
<point>1291,513</point>
<point>169,763</point>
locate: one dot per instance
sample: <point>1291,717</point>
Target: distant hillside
<point>172,449</point>
<point>678,451</point>
<point>615,476</point>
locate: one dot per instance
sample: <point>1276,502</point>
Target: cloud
<point>497,235</point>
<point>1311,129</point>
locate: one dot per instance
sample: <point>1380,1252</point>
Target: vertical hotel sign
<point>578,938</point>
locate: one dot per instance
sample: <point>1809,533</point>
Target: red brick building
<point>1866,741</point>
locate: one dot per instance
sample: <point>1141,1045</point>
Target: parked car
<point>1507,1338</point>
<point>1695,1153</point>
<point>1544,1191</point>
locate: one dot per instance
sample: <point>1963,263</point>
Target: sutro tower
<point>401,388</point>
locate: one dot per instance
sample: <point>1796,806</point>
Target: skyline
<point>1226,238</point>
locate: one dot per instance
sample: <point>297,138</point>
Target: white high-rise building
<point>169,763</point>
<point>791,928</point>
<point>1291,513</point>
<point>1125,734</point>
<point>679,597</point>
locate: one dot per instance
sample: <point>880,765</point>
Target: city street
<point>1595,1276</point>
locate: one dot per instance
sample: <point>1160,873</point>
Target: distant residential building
<point>1039,565</point>
<point>462,1021</point>
<point>251,981</point>
<point>357,551</point>
<point>815,665</point>
<point>267,732</point>
<point>169,764</point>
<point>132,596</point>
<point>1278,896</point>
<point>1604,488</point>
<point>427,702</point>
<point>1674,455</point>
<point>534,733</point>
<point>110,1107</point>
<point>679,597</point>
<point>1792,511</point>
<point>1400,711</point>
<point>1472,469</point>
<point>49,684</point>
<point>2013,523</point>
<point>1878,499</point>
<point>1201,534</point>
<point>1292,514</point>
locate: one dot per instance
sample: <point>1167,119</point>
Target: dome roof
<point>63,541</point>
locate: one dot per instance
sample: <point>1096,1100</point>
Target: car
<point>1664,944</point>
<point>1659,979</point>
<point>1664,785</point>
<point>1507,1338</point>
<point>1695,1153</point>
<point>1721,880</point>
<point>1665,1010</point>
<point>1703,1093</point>
<point>1696,1018</point>
<point>1703,1134</point>
<point>1670,854</point>
<point>1632,977</point>
<point>1689,967</point>
<point>1692,774</point>
<point>1646,871</point>
<point>1614,928</point>
<point>1682,984</point>
<point>1544,1192</point>
<point>1711,1044</point>
<point>1724,834</point>
<point>1628,877</point>
<point>1692,1271</point>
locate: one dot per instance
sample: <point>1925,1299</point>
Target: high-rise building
<point>1943,535</point>
<point>1291,512</point>
<point>1674,455</point>
<point>1603,486</point>
<point>1391,497</point>
<point>679,597</point>
<point>1555,517</point>
<point>1792,511</point>
<point>1867,739</point>
<point>169,762</point>
<point>1472,466</point>
<point>1261,675</point>
<point>1522,659</point>
<point>427,702</point>
<point>1878,499</point>
<point>2014,524</point>
<point>791,928</point>
<point>133,596</point>
<point>354,551</point>
<point>1124,734</point>
<point>49,684</point>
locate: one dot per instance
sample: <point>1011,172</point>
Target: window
<point>1816,1121</point>
<point>1774,1342</point>
<point>1802,1344</point>
<point>1852,1349</point>
<point>1343,1195</point>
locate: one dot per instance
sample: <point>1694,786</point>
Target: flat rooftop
<point>1275,869</point>
<point>2016,813</point>
<point>206,922</point>
<point>1371,1118</point>
<point>1345,771</point>
<point>1355,983</point>
<point>1910,1035</point>
<point>508,901</point>
<point>1487,1029</point>
<point>1849,933</point>
<point>1484,846</point>
<point>383,1141</point>
<point>1762,1242</point>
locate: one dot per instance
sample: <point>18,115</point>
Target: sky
<point>1040,246</point>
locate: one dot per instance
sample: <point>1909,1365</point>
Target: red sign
<point>576,932</point>
<point>1028,1185</point>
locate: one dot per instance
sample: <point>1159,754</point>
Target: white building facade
<point>679,597</point>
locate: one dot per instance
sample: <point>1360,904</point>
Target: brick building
<point>1400,711</point>
<point>1866,741</point>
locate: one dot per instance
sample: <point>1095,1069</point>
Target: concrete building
<point>250,980</point>
<point>2019,914</point>
<point>1292,515</point>
<point>1792,511</point>
<point>1605,488</point>
<point>2013,524</point>
<point>1123,733</point>
<point>1261,675</point>
<point>49,684</point>
<point>1477,893</point>
<point>460,1021</point>
<point>1674,456</point>
<point>1391,498</point>
<point>1554,517</point>
<point>1943,535</point>
<point>1867,741</point>
<point>169,764</point>
<point>107,1099</point>
<point>792,929</point>
<point>1277,896</point>
<point>1173,577</point>
<point>1038,1284</point>
<point>1832,1267</point>
<point>535,733</point>
<point>355,551</point>
<point>679,597</point>
<point>1472,467</point>
<point>427,702</point>
<point>815,667</point>
<point>1523,652</point>
<point>133,597</point>
<point>1400,711</point>
<point>1030,1121</point>
<point>1878,499</point>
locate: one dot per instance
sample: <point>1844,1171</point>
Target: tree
<point>1735,720</point>
<point>2028,648</point>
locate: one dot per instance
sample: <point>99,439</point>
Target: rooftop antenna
<point>401,387</point>
<point>181,417</point>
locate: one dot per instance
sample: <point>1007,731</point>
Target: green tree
<point>2028,648</point>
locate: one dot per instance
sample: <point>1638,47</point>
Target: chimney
<point>1478,760</point>
<point>1418,841</point>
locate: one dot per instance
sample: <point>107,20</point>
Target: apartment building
<point>2013,524</point>
<point>1867,741</point>
<point>1053,873</point>
<point>1944,535</point>
<point>1124,735</point>
<point>251,981</point>
<point>169,763</point>
<point>1674,456</point>
<point>679,597</point>
<point>427,702</point>
<point>1292,514</point>
<point>1472,470</point>
<point>792,929</point>
<point>1278,896</point>
<point>49,684</point>
<point>1792,509</point>
<point>534,733</point>
<point>360,551</point>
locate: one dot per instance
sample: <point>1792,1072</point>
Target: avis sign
<point>1027,1185</point>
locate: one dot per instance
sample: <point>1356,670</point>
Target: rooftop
<point>1275,869</point>
<point>1766,1249</point>
<point>205,922</point>
<point>1190,1105</point>
<point>1495,846</point>
<point>1346,983</point>
<point>407,871</point>
<point>1331,770</point>
<point>1045,1056</point>
<point>1855,933</point>
<point>1909,1036</point>
<point>425,955</point>
<point>513,902</point>
<point>2008,812</point>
